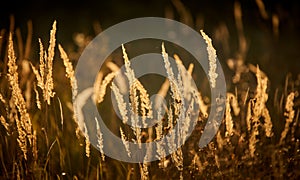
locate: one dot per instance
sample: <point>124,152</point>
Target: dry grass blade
<point>212,58</point>
<point>144,171</point>
<point>257,109</point>
<point>289,113</point>
<point>185,16</point>
<point>134,102</point>
<point>102,89</point>
<point>228,117</point>
<point>69,69</point>
<point>262,9</point>
<point>22,137</point>
<point>37,97</point>
<point>231,103</point>
<point>177,157</point>
<point>159,133</point>
<point>87,142</point>
<point>125,142</point>
<point>44,75</point>
<point>24,125</point>
<point>99,139</point>
<point>2,99</point>
<point>143,100</point>
<point>4,123</point>
<point>49,79</point>
<point>122,106</point>
<point>176,95</point>
<point>97,86</point>
<point>34,148</point>
<point>136,86</point>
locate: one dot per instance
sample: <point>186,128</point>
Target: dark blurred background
<point>276,55</point>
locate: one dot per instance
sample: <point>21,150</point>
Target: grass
<point>42,139</point>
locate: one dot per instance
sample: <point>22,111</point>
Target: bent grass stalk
<point>69,70</point>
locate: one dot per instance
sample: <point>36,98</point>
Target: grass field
<point>258,139</point>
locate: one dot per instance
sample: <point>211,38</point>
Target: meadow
<point>40,138</point>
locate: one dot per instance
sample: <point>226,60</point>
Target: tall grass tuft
<point>24,124</point>
<point>44,75</point>
<point>39,141</point>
